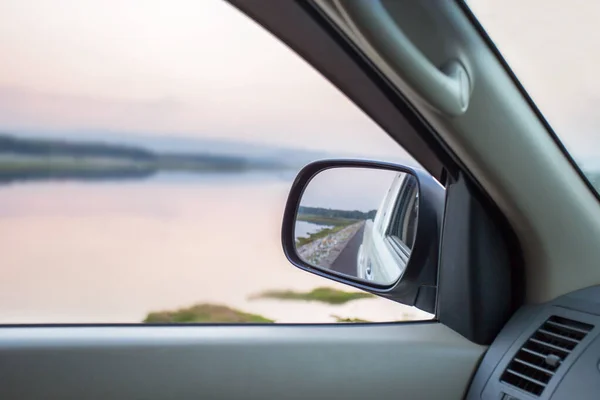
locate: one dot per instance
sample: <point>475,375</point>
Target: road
<point>346,261</point>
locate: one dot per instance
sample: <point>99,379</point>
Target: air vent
<point>542,354</point>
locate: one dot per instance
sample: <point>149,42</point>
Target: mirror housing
<point>417,285</point>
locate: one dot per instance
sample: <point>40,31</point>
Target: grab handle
<point>446,89</point>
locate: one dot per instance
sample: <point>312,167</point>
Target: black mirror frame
<point>418,284</point>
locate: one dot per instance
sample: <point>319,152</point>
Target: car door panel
<point>231,362</point>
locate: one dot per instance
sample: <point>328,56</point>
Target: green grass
<point>354,320</point>
<point>323,294</point>
<point>322,220</point>
<point>206,313</point>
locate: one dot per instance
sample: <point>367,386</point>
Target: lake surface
<point>304,229</point>
<point>101,252</point>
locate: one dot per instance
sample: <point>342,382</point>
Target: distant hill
<point>57,147</point>
<point>30,158</point>
<point>331,213</point>
<point>177,144</point>
<point>112,155</point>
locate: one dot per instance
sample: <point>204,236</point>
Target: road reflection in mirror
<point>358,222</point>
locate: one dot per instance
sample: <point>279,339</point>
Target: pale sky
<point>184,67</point>
<point>200,68</point>
<point>360,189</point>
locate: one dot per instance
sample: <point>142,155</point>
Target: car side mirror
<point>374,226</point>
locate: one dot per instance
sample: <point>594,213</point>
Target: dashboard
<point>548,351</point>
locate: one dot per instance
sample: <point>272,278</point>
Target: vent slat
<point>542,354</point>
<point>538,359</point>
<point>544,350</point>
<point>535,353</point>
<point>527,378</point>
<point>542,369</point>
<point>577,326</point>
<point>542,343</point>
<point>556,335</point>
<point>523,384</point>
<point>567,327</point>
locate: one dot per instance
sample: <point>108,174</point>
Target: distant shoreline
<point>39,159</point>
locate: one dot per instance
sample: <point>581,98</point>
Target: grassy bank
<point>205,313</point>
<point>217,313</point>
<point>350,320</point>
<point>322,294</point>
<point>301,241</point>
<point>323,220</point>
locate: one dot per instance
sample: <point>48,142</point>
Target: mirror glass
<point>359,222</point>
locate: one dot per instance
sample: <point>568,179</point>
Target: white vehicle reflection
<point>389,238</point>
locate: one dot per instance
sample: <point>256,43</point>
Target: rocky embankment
<point>323,252</point>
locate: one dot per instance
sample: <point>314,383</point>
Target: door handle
<point>368,273</point>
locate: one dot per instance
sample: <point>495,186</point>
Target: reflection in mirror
<point>359,222</point>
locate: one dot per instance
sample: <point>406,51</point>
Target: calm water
<point>303,228</point>
<point>113,251</point>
